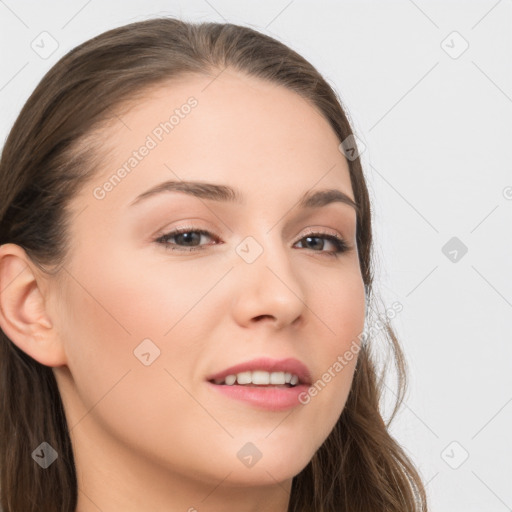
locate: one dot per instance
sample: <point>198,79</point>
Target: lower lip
<point>269,398</point>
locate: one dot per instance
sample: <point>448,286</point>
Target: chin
<point>262,475</point>
<point>276,463</point>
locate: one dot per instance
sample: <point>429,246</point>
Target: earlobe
<point>23,315</point>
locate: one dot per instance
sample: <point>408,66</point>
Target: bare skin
<point>156,436</point>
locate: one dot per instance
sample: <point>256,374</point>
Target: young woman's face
<point>147,320</point>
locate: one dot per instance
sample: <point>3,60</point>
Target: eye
<point>190,236</point>
<point>337,241</point>
<point>189,239</point>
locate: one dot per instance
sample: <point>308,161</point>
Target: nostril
<point>263,316</point>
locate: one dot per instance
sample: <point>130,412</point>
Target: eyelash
<point>338,241</point>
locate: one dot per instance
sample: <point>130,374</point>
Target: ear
<point>23,308</point>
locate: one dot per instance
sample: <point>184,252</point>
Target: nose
<point>267,290</point>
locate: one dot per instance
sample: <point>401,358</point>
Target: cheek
<point>341,314</point>
<point>338,303</point>
<point>132,298</point>
<point>134,402</point>
<point>121,313</point>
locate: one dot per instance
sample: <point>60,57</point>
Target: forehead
<point>233,128</point>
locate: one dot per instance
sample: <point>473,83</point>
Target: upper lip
<point>290,365</point>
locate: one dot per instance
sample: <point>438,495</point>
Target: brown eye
<point>185,239</point>
<point>316,242</point>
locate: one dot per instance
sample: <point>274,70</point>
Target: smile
<point>260,378</point>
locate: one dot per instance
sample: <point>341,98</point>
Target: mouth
<point>259,378</point>
<point>264,383</point>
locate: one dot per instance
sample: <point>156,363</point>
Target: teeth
<point>244,378</point>
<point>277,378</point>
<point>260,377</point>
<point>230,380</point>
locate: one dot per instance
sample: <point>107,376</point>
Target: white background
<point>438,131</point>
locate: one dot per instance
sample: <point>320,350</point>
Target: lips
<point>258,387</point>
<point>288,366</point>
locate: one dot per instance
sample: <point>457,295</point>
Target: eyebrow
<point>225,193</point>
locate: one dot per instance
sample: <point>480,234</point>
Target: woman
<point>185,267</point>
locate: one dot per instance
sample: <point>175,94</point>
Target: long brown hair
<point>50,154</point>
